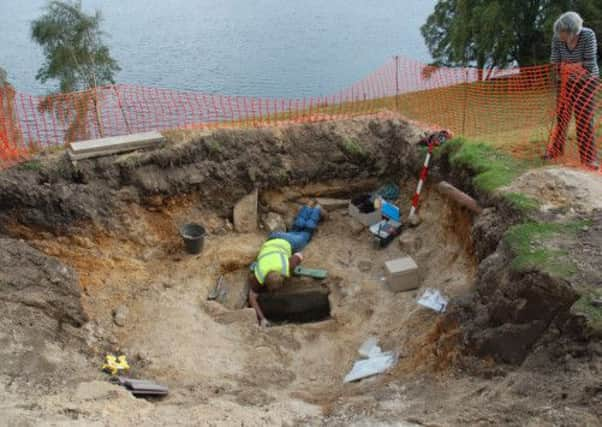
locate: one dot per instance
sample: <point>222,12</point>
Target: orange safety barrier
<point>577,92</point>
<point>11,147</point>
<point>526,111</point>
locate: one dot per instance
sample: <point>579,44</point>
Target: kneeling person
<point>274,264</point>
<point>280,254</point>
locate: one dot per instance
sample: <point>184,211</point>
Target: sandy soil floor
<point>221,367</point>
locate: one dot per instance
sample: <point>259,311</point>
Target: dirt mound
<point>561,189</point>
<point>41,316</point>
<point>511,310</point>
<point>222,166</point>
<point>33,279</point>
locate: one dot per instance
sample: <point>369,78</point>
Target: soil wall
<point>222,166</point>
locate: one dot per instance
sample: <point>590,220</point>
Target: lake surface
<point>267,48</point>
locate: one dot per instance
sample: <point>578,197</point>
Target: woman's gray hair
<point>569,22</point>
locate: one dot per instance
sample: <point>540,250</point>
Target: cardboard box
<point>401,274</point>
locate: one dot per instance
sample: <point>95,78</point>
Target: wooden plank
<point>128,146</point>
<point>113,145</point>
<point>115,141</point>
<point>460,197</point>
<point>100,153</point>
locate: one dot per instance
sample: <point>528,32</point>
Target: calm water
<point>272,48</point>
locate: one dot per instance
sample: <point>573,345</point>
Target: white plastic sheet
<point>369,348</point>
<point>374,361</point>
<point>433,299</point>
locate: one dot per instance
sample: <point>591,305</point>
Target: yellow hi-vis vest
<point>273,256</point>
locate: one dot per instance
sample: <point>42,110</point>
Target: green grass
<point>492,167</point>
<point>531,244</point>
<point>213,145</point>
<point>593,314</point>
<point>522,202</point>
<point>353,148</point>
<point>280,175</point>
<point>32,165</point>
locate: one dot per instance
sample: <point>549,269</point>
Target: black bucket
<point>193,235</point>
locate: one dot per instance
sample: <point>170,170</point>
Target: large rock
<point>245,214</point>
<point>330,204</point>
<point>511,310</point>
<point>234,290</point>
<point>41,309</point>
<point>120,315</point>
<point>33,279</point>
<point>274,222</point>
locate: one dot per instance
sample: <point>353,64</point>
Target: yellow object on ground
<point>115,365</point>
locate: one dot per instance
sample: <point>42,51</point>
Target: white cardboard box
<point>402,274</point>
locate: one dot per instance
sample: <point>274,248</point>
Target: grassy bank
<point>536,242</point>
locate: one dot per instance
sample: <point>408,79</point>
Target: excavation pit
<point>129,259</point>
<point>301,300</point>
<point>298,302</point>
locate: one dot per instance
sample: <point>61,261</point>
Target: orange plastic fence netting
<point>526,111</point>
<point>12,148</point>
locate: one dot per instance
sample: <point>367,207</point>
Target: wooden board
<point>113,145</point>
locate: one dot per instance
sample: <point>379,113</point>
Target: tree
<point>72,44</point>
<point>3,78</point>
<point>498,33</point>
<point>75,56</point>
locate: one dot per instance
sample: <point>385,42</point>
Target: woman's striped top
<point>585,52</point>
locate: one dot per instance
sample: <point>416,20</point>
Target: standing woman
<point>575,44</point>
